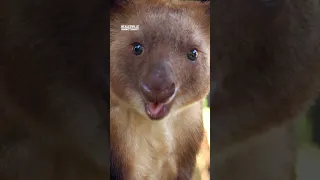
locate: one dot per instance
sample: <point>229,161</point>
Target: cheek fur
<point>195,81</point>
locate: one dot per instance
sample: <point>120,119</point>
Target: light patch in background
<point>206,122</point>
<point>203,157</point>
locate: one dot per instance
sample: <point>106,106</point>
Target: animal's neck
<point>144,144</point>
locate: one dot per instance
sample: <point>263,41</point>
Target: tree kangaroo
<point>266,67</point>
<point>159,74</point>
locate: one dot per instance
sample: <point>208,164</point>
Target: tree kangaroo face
<point>164,65</point>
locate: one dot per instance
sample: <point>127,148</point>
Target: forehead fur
<point>182,23</point>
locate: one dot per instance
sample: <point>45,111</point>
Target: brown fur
<point>53,90</point>
<point>266,69</point>
<point>164,149</point>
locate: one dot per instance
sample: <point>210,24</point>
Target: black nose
<point>159,92</point>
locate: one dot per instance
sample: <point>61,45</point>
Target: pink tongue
<point>155,108</point>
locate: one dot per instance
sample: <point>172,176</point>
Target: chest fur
<point>143,149</point>
<point>147,148</point>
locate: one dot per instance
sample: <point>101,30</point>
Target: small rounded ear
<point>206,4</point>
<point>206,12</point>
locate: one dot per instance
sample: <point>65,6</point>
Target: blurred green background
<point>308,137</point>
<point>308,167</point>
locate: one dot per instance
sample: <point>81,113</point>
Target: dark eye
<point>193,55</point>
<point>137,48</point>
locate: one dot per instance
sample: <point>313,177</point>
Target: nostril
<point>166,93</point>
<point>173,86</point>
<point>171,89</point>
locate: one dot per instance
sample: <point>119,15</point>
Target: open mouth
<point>157,111</point>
